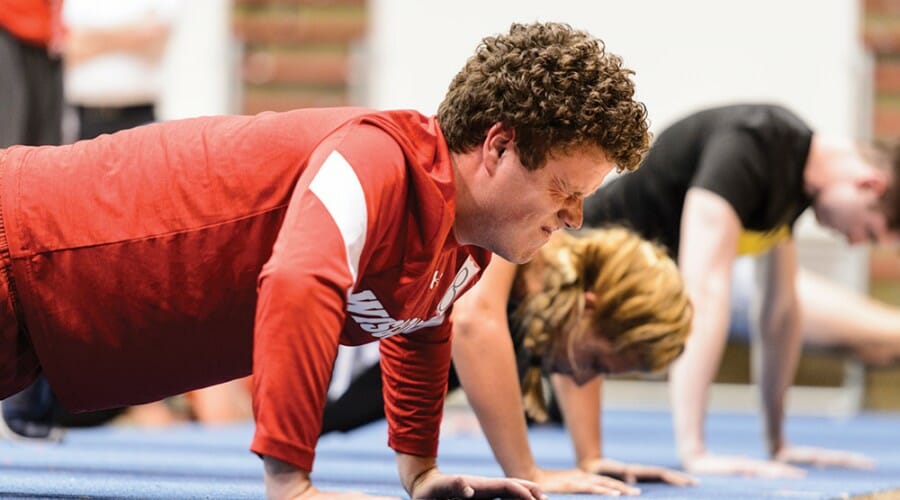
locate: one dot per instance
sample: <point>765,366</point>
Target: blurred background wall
<point>687,54</point>
<point>199,72</point>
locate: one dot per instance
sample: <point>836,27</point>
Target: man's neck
<point>463,202</point>
<point>823,163</point>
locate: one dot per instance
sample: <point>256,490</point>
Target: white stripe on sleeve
<point>338,188</point>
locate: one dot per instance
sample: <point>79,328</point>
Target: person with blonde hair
<point>589,303</point>
<point>608,288</point>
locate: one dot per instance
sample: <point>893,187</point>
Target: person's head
<point>535,120</point>
<point>860,199</point>
<point>609,302</point>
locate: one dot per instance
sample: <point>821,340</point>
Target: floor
<point>192,462</point>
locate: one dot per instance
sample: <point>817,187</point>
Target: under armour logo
<point>435,280</point>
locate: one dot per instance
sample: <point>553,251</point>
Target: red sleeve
<point>414,371</point>
<point>336,211</point>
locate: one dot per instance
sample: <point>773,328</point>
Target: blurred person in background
<point>732,181</point>
<point>834,316</point>
<point>114,54</point>
<point>31,93</point>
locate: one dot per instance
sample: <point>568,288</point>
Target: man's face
<point>854,210</point>
<point>522,208</point>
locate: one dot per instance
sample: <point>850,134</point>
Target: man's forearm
<point>412,469</point>
<point>284,480</point>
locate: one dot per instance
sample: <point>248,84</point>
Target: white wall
<point>687,54</point>
<point>199,68</point>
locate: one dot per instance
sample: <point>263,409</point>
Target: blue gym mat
<point>187,462</point>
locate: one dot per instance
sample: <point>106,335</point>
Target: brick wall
<point>881,34</point>
<point>297,52</point>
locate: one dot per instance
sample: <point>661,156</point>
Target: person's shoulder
<point>743,113</point>
<point>760,115</point>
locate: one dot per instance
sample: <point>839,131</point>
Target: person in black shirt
<point>731,181</point>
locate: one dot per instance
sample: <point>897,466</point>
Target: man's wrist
<point>413,469</point>
<point>776,444</point>
<point>419,479</point>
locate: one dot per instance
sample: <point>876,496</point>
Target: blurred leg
<point>223,403</point>
<point>834,315</point>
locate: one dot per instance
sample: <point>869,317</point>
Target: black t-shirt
<point>751,155</point>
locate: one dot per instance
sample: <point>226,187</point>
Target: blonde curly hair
<point>556,87</point>
<point>641,306</point>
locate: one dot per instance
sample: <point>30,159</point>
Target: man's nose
<point>573,216</point>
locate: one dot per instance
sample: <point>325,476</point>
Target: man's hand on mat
<point>634,473</point>
<point>707,463</point>
<point>820,457</point>
<point>579,481</point>
<point>435,484</point>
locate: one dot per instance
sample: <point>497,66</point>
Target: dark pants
<point>31,94</point>
<point>363,403</point>
<point>93,121</point>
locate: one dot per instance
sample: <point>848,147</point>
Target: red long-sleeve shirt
<point>158,259</point>
<point>34,21</point>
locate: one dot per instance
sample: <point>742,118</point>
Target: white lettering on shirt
<point>368,312</point>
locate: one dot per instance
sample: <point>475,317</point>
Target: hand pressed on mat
<point>823,457</point>
<point>637,473</point>
<point>579,481</point>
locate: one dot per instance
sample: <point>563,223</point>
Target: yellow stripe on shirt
<point>757,242</point>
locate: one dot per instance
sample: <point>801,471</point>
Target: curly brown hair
<point>641,307</point>
<point>556,87</point>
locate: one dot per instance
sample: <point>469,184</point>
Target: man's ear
<point>875,180</point>
<point>496,142</point>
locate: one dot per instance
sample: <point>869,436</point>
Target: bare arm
<point>709,236</point>
<point>580,406</point>
<point>492,386</point>
<point>777,326</point>
<point>283,480</point>
<point>484,357</point>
